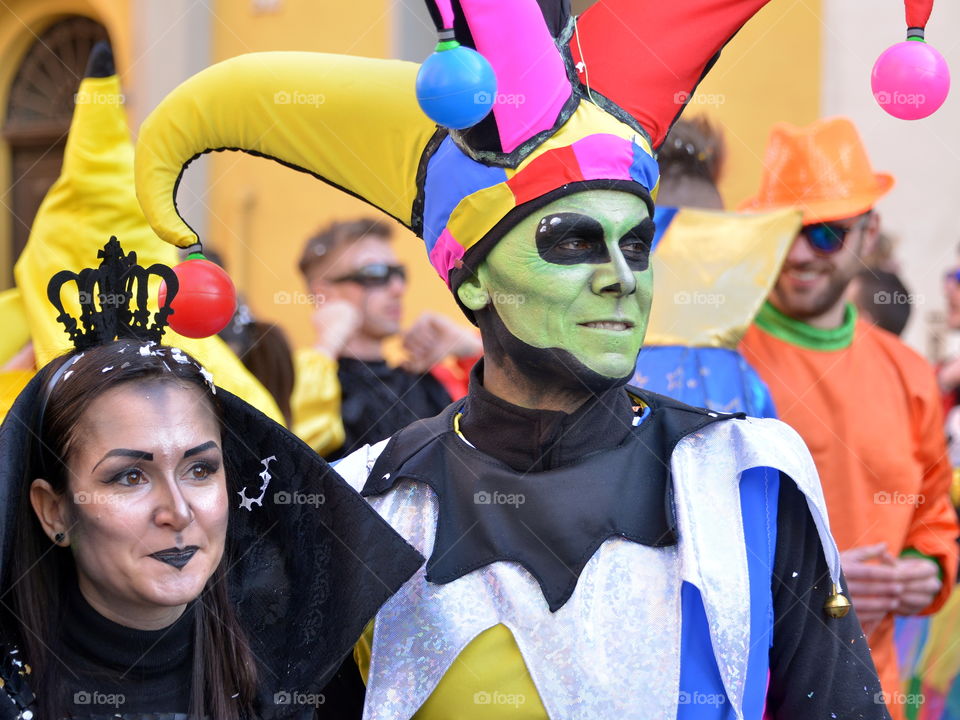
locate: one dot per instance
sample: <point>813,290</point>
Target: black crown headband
<point>105,295</point>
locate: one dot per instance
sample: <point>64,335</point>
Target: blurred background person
<point>866,405</point>
<point>691,162</point>
<point>357,285</point>
<point>882,299</point>
<point>948,374</point>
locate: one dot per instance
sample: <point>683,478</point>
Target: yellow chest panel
<point>487,681</point>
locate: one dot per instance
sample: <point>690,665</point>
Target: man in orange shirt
<point>866,405</point>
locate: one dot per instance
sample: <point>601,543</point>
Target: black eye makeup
<point>572,238</point>
<point>128,477</point>
<point>202,470</point>
<point>636,243</point>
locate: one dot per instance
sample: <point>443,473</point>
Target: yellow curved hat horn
<point>352,122</point>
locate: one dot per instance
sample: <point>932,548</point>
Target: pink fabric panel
<point>532,84</point>
<point>446,12</point>
<point>445,254</point>
<point>603,157</point>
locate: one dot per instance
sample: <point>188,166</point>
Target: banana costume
<point>91,200</point>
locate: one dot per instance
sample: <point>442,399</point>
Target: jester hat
<point>92,200</point>
<point>582,103</point>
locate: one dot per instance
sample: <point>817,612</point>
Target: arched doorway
<point>38,117</point>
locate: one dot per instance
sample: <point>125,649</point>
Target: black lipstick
<point>177,557</point>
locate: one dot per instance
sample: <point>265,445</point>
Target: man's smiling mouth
<point>619,325</point>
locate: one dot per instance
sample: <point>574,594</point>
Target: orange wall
<point>770,72</point>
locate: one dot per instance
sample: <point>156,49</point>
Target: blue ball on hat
<point>456,86</point>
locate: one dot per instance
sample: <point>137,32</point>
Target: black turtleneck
<point>109,668</point>
<point>535,440</point>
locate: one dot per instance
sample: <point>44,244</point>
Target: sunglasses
<point>376,275</point>
<point>827,237</point>
<point>952,275</point>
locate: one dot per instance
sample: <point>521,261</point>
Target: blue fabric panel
<point>644,169</point>
<point>759,492</point>
<point>662,217</point>
<point>702,694</point>
<point>451,176</point>
<point>715,378</point>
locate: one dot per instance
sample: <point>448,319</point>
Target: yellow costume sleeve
<point>12,382</point>
<point>91,200</point>
<point>316,401</point>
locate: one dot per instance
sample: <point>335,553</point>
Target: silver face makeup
<point>176,557</point>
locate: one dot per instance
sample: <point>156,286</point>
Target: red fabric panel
<point>649,55</point>
<point>546,173</point>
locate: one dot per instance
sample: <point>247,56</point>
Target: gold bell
<point>837,605</point>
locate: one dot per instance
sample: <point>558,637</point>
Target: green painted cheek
<point>531,296</point>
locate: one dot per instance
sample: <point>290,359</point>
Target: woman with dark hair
<point>167,550</point>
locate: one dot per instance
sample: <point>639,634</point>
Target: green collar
<point>797,332</point>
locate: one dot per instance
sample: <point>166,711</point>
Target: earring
<point>58,538</point>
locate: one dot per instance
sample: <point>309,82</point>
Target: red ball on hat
<point>206,300</point>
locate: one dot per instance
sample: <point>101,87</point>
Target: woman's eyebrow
<point>200,448</point>
<point>124,452</point>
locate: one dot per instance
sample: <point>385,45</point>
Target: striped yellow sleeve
<point>316,401</point>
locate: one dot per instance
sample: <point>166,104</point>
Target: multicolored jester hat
<point>581,104</point>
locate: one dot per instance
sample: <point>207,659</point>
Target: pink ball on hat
<point>910,80</point>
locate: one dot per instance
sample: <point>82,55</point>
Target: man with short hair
<point>358,284</point>
<point>866,404</point>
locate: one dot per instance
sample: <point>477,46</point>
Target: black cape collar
<point>551,521</point>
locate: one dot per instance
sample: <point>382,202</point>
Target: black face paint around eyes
<point>635,245</point>
<point>570,239</point>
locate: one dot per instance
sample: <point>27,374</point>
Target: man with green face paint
<point>594,551</point>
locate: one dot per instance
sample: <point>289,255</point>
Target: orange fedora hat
<point>822,170</point>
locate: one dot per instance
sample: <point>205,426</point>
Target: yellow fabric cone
<point>712,272</point>
<point>93,199</point>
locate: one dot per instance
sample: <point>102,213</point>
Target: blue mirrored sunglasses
<point>825,237</point>
<point>828,237</point>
